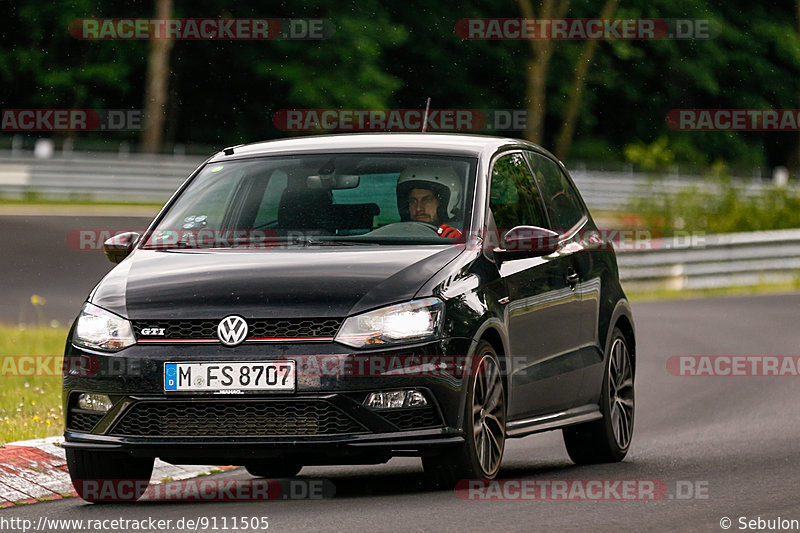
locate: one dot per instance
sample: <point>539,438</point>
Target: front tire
<point>101,477</point>
<point>607,440</point>
<point>479,457</point>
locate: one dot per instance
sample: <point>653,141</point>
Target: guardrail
<point>107,176</point>
<point>713,261</point>
<point>612,191</point>
<point>96,176</point>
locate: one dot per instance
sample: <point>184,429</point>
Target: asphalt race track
<point>723,446</point>
<point>42,255</point>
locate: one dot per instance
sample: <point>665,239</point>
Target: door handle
<point>572,278</point>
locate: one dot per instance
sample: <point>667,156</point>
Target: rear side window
<point>560,197</point>
<point>514,197</point>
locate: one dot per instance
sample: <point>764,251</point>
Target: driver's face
<point>423,206</point>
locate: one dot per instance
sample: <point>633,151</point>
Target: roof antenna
<point>425,119</point>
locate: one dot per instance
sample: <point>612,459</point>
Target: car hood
<point>291,282</point>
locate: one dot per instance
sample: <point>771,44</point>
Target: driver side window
<point>560,197</point>
<point>514,196</point>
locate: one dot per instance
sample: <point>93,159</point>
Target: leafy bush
<point>719,206</point>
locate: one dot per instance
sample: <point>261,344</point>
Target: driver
<point>431,195</point>
<point>423,206</point>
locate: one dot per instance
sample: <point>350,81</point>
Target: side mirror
<point>120,246</point>
<point>527,241</point>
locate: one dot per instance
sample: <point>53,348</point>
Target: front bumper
<point>133,378</point>
<point>317,450</point>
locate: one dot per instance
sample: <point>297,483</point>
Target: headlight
<point>415,321</point>
<point>102,330</point>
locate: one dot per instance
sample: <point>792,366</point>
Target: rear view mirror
<point>333,181</point>
<point>120,246</point>
<point>528,241</point>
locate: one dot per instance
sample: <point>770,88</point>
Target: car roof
<point>454,144</point>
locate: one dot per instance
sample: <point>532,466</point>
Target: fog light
<point>94,402</point>
<point>415,399</point>
<point>396,399</point>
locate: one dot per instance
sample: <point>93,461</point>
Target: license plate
<point>210,377</point>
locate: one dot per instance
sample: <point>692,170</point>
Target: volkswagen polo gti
<point>346,299</point>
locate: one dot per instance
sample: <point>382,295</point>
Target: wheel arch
<point>493,331</point>
<point>622,318</point>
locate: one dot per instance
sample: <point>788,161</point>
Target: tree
<point>797,148</point>
<point>564,139</point>
<point>538,66</point>
<point>156,92</point>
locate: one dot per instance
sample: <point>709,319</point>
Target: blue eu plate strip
<point>171,376</point>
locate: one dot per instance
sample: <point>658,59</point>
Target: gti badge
<point>232,330</point>
<point>152,332</point>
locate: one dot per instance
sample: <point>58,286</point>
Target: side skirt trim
<point>576,415</point>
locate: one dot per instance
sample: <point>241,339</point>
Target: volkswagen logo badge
<point>232,330</point>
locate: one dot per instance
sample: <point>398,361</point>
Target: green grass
<point>30,404</point>
<point>764,288</point>
<point>44,202</point>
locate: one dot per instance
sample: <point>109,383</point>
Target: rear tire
<point>479,457</point>
<point>274,468</point>
<point>607,440</point>
<point>103,477</point>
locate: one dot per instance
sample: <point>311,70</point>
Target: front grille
<point>82,421</point>
<point>260,418</point>
<point>412,418</point>
<point>278,328</point>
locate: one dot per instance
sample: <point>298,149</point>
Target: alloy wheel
<point>620,393</point>
<point>488,415</point>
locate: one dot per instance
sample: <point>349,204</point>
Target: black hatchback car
<point>345,299</point>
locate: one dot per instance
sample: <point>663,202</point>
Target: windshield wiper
<point>185,244</point>
<point>310,241</point>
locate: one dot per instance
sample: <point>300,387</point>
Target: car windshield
<point>331,199</point>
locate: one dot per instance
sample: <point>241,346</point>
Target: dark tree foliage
<point>397,54</point>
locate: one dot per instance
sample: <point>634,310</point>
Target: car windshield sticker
<point>193,221</point>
